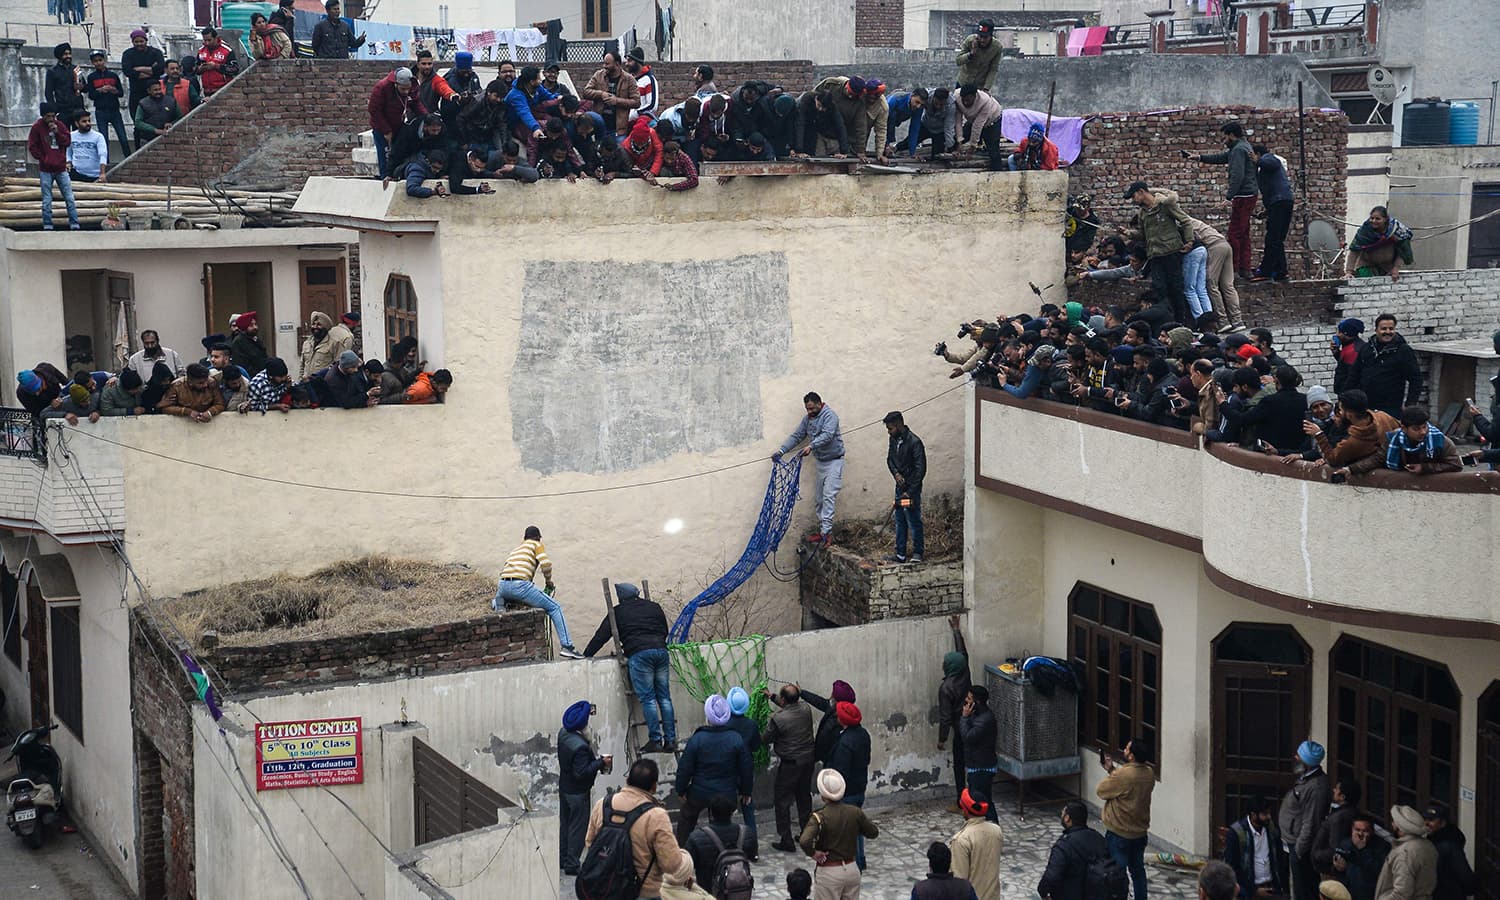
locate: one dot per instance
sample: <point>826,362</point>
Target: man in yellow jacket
<point>1126,793</point>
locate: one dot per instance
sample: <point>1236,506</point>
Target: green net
<point>714,667</point>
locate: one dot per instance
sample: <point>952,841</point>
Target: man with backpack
<point>629,841</point>
<point>722,852</point>
<point>1079,866</point>
<point>578,766</point>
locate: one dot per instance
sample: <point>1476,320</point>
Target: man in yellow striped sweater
<point>518,582</point>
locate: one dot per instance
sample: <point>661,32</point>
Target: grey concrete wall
<point>767,29</point>
<point>1431,186</point>
<point>1117,83</point>
<point>672,337</point>
<point>1450,45</point>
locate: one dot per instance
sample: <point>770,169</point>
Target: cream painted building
<point>1231,609</point>
<point>622,357</point>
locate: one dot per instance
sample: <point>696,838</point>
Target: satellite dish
<point>1382,84</point>
<point>1323,240</point>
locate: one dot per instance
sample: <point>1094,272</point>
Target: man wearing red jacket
<point>393,103</point>
<point>643,148</point>
<point>1034,153</point>
<point>48,143</point>
<point>216,63</point>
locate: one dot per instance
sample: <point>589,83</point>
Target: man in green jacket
<point>1168,236</point>
<point>979,57</point>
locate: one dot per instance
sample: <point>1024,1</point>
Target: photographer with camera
<point>979,331</point>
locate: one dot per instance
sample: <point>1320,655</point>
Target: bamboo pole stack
<point>138,204</point>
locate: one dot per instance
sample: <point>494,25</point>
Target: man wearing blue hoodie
<point>714,762</point>
<point>820,429</point>
<point>749,732</point>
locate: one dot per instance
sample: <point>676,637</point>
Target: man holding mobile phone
<point>578,766</point>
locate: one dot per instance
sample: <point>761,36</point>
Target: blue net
<point>775,518</point>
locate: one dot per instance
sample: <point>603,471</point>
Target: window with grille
<point>596,19</point>
<point>1394,721</point>
<point>1117,642</point>
<point>67,669</point>
<point>400,309</point>
<point>10,615</point>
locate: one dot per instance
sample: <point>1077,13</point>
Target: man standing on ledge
<point>517,582</point>
<point>907,460</point>
<point>820,429</point>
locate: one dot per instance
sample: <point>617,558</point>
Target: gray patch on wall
<point>672,364</point>
<point>896,721</point>
<point>536,758</point>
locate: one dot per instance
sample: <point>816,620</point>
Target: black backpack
<point>1106,880</point>
<point>608,868</point>
<point>732,878</point>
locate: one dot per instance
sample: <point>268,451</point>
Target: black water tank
<point>1425,123</point>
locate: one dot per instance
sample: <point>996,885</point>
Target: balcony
<point>1408,552</point>
<point>52,482</point>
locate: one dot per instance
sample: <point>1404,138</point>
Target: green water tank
<point>237,17</point>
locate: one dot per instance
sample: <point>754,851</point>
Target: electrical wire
<point>487,498</point>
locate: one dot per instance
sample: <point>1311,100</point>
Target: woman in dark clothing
<point>161,379</point>
<point>951,703</point>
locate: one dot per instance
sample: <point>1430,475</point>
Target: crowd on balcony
<point>238,374</point>
<point>1142,364</point>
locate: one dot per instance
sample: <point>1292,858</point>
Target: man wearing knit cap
<point>749,732</point>
<point>979,57</point>
<point>1345,346</point>
<point>643,639</point>
<point>577,766</point>
<point>832,837</point>
<point>978,731</point>
<point>951,695</point>
<point>850,757</point>
<point>1410,870</point>
<point>977,846</point>
<point>714,762</point>
<point>1302,811</point>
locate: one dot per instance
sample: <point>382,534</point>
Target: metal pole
<point>1047,129</point>
<point>1494,96</point>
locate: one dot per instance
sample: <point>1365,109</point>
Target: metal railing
<point>1134,33</point>
<point>444,47</point>
<point>1328,16</point>
<point>22,435</point>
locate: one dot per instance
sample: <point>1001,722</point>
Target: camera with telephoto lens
<point>966,329</point>
<point>940,348</point>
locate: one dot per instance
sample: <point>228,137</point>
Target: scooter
<point>34,796</point>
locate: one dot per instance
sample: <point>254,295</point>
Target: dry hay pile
<point>376,593</point>
<point>942,532</point>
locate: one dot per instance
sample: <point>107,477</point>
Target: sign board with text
<point>308,753</point>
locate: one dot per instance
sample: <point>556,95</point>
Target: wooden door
<point>1260,712</point>
<point>448,800</point>
<point>1487,797</point>
<point>37,666</point>
<point>323,288</point>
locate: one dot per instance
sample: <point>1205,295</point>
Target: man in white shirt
<point>88,154</point>
<point>144,360</point>
<point>1253,848</point>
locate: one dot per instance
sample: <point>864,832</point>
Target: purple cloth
<point>1066,133</point>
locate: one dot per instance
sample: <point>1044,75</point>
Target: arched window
<point>1117,641</point>
<point>1393,718</point>
<point>400,309</point>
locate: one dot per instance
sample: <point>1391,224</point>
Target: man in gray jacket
<point>1302,811</point>
<point>1242,193</point>
<point>820,428</point>
<point>790,732</point>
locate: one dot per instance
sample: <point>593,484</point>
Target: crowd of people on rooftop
<point>236,374</point>
<point>1143,364</point>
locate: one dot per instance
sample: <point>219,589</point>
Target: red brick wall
<point>317,106</point>
<point>1119,148</point>
<point>516,636</point>
<point>163,742</point>
<point>879,23</point>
